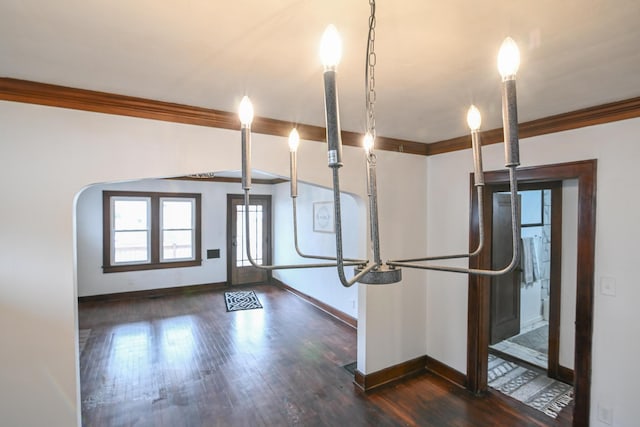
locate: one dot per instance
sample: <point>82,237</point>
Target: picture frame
<point>323,217</point>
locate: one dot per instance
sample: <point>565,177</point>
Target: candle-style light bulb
<point>294,140</point>
<point>508,63</point>
<point>246,112</point>
<point>246,117</point>
<point>330,48</point>
<point>367,143</point>
<point>508,59</point>
<point>474,119</point>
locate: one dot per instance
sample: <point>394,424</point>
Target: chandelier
<point>377,271</point>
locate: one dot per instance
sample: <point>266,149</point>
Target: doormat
<point>241,300</point>
<point>533,388</point>
<point>537,339</point>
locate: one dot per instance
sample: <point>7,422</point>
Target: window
<point>143,231</point>
<point>130,230</point>
<point>255,235</point>
<point>177,217</point>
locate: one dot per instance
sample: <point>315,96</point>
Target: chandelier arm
<point>303,255</point>
<point>480,192</point>
<point>515,231</point>
<point>275,267</point>
<point>338,223</point>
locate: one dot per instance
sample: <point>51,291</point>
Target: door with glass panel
<point>239,269</point>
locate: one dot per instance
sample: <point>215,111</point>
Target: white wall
<point>48,155</point>
<point>320,283</point>
<point>616,319</point>
<point>91,279</point>
<point>392,317</point>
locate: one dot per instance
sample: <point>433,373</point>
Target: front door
<point>239,269</point>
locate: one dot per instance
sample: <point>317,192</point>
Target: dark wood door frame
<point>478,312</point>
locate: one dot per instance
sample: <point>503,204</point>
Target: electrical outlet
<point>608,286</point>
<point>605,414</point>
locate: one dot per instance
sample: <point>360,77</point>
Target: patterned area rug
<point>241,300</point>
<point>530,387</point>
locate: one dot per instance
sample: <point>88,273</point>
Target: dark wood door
<point>239,269</point>
<point>505,289</point>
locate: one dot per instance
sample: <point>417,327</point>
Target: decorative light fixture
<point>246,117</point>
<point>377,271</point>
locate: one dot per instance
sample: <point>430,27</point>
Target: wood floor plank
<point>183,360</point>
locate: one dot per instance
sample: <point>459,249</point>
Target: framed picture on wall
<point>323,220</point>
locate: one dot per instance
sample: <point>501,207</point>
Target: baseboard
<point>154,293</point>
<point>565,374</point>
<point>390,375</point>
<point>340,315</point>
<point>445,371</point>
<point>404,370</point>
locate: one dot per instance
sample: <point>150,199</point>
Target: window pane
<point>177,244</point>
<point>130,246</point>
<point>177,214</point>
<point>255,235</point>
<point>531,203</point>
<point>240,236</point>
<point>255,219</point>
<point>130,214</point>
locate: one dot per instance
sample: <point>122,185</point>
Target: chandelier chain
<point>370,79</point>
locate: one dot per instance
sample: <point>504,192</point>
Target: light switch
<point>608,286</point>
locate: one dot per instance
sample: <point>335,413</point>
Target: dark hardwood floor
<point>182,360</point>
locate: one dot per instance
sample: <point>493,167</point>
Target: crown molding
<point>273,181</point>
<point>600,114</point>
<point>108,103</point>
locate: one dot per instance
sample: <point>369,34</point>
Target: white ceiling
<point>434,58</point>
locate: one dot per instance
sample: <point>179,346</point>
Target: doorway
<point>584,174</point>
<point>239,268</point>
<point>525,304</point>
